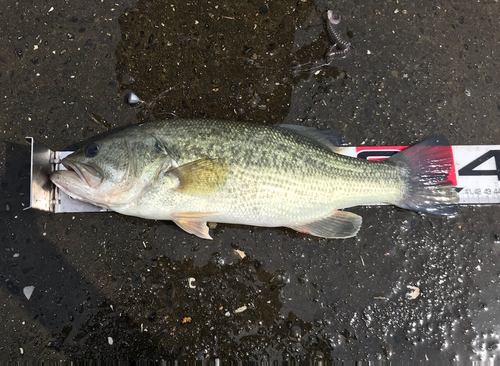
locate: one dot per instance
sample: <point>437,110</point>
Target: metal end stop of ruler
<point>44,195</point>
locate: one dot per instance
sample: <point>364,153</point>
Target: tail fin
<point>426,168</point>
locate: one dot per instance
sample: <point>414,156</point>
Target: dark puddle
<point>235,60</point>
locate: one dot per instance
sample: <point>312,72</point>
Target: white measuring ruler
<point>475,172</point>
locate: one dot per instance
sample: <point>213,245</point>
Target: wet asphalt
<point>107,286</point>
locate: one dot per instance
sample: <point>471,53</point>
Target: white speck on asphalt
<point>241,309</point>
<point>415,292</point>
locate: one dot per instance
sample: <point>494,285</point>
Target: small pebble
<point>28,291</point>
<point>133,99</point>
<point>241,253</point>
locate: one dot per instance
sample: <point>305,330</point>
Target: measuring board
<point>476,171</point>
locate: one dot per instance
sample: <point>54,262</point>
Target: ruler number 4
<point>469,168</point>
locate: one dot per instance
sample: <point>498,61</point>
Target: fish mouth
<point>90,175</point>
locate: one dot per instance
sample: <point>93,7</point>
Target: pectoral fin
<point>203,176</point>
<point>340,225</point>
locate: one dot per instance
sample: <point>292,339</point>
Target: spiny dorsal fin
<point>328,138</point>
<point>203,176</point>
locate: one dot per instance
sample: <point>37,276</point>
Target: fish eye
<point>91,150</point>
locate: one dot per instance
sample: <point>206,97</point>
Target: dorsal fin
<point>328,138</point>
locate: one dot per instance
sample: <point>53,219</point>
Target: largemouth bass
<point>194,171</point>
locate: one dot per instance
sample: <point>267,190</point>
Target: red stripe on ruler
<point>452,175</point>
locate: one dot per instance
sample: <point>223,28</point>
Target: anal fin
<point>340,225</point>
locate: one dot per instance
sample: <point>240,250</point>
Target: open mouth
<point>88,174</point>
